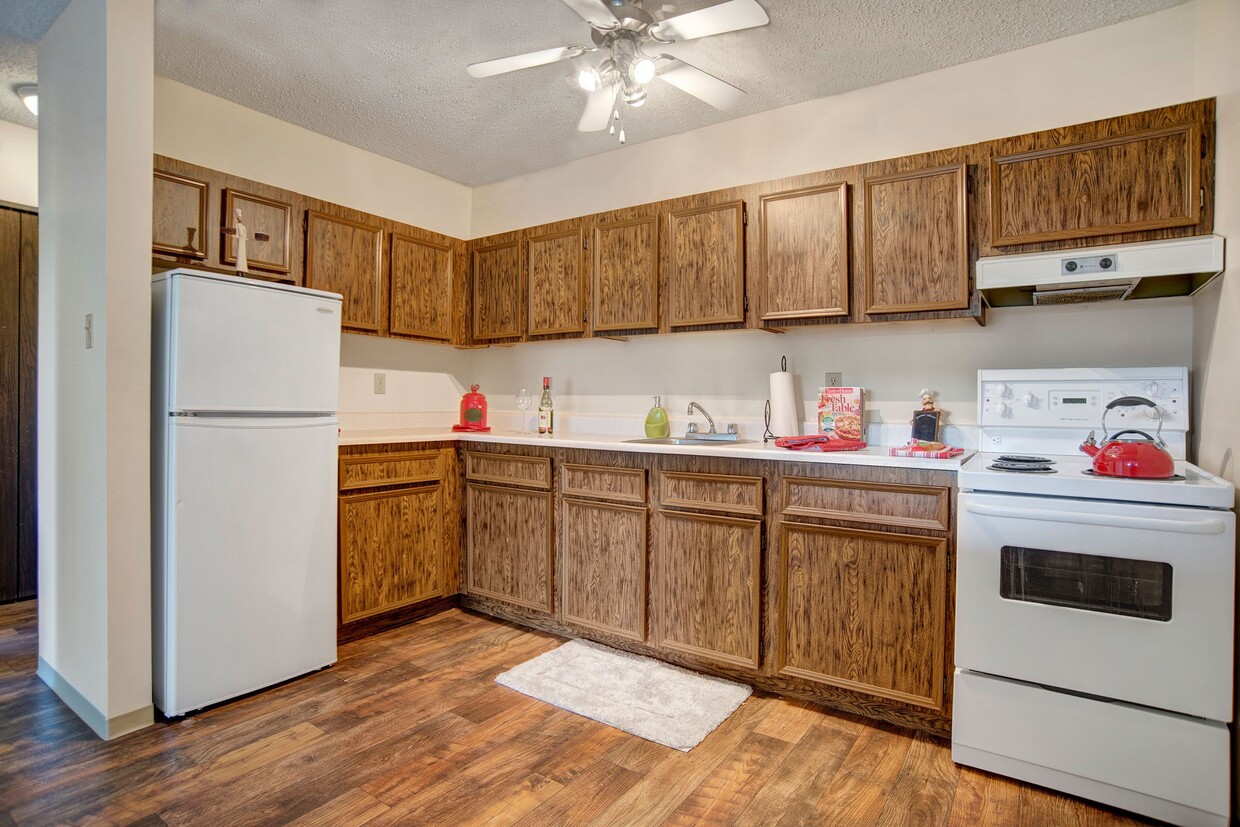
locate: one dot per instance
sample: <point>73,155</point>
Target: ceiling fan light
<point>635,97</point>
<point>589,79</point>
<point>642,70</point>
<point>30,97</point>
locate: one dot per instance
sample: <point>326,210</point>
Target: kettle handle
<point>1119,434</point>
<point>1134,402</point>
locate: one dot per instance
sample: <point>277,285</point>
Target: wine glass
<point>524,401</point>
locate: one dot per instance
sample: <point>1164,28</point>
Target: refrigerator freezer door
<point>240,346</point>
<point>245,563</point>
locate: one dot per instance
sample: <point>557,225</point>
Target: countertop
<point>875,455</point>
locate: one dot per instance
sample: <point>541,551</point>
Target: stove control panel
<point>1076,398</point>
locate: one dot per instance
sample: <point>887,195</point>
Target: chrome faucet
<point>709,419</point>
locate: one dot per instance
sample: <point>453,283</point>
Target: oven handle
<point>1108,520</point>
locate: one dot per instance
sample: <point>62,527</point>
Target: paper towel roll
<point>783,405</point>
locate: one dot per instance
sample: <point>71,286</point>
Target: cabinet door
<point>804,252</point>
<point>508,545</point>
<point>391,550</point>
<point>864,610</point>
<point>179,216</point>
<point>346,257</point>
<point>706,265</point>
<point>421,289</point>
<point>603,567</point>
<point>556,283</point>
<point>916,241</point>
<point>497,291</point>
<point>1144,181</point>
<point>626,275</point>
<point>708,573</point>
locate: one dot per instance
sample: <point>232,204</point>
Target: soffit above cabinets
<point>389,76</point>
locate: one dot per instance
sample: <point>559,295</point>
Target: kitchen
<point>726,371</point>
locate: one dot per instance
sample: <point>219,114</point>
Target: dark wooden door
<point>421,289</point>
<point>804,252</point>
<point>917,241</point>
<point>626,275</point>
<point>19,291</point>
<point>346,257</point>
<point>706,265</point>
<point>496,270</point>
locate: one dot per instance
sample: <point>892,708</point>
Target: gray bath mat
<point>642,696</point>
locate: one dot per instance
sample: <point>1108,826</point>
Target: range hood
<point>1149,270</point>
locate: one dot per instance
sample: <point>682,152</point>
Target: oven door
<point>1120,600</point>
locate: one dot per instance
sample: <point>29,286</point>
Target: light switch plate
<point>89,328</point>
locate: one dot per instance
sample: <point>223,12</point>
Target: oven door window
<point>1113,585</point>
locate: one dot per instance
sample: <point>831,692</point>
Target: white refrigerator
<point>244,387</point>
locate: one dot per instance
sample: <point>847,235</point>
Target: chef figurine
<point>925,422</point>
<point>927,400</point>
<point>239,232</point>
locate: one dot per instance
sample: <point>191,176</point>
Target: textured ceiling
<point>389,75</point>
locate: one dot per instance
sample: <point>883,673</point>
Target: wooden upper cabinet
<point>706,265</point>
<point>626,274</point>
<point>804,252</point>
<point>1146,180</point>
<point>179,217</point>
<point>917,241</point>
<point>421,289</point>
<point>497,290</point>
<point>556,288</point>
<point>346,257</point>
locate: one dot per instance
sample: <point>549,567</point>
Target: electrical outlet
<point>380,383</point>
<point>834,380</point>
<point>90,330</point>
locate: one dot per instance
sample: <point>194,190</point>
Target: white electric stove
<point>1094,615</point>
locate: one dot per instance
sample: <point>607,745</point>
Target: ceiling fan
<point>621,31</point>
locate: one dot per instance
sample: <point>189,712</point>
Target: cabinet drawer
<point>388,469</point>
<point>621,484</point>
<point>712,492</point>
<point>532,472</point>
<point>895,504</point>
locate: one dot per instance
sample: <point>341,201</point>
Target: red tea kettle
<point>1146,458</point>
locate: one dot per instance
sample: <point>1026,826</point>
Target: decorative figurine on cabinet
<point>240,233</point>
<point>926,421</point>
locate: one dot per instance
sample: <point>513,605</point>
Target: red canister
<point>473,412</point>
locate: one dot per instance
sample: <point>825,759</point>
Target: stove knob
<point>1005,410</point>
<point>1005,390</point>
<point>1153,390</point>
<point>1152,413</point>
<point>1030,400</point>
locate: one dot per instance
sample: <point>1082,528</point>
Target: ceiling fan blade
<point>499,66</point>
<point>599,107</point>
<point>594,12</point>
<point>731,16</point>
<point>718,93</point>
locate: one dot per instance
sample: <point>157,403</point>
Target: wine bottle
<point>545,415</point>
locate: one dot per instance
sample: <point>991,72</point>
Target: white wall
<point>19,164</point>
<point>193,126</point>
<point>95,82</point>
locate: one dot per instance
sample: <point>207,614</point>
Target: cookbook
<point>841,413</point>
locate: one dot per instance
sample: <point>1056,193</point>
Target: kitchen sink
<point>673,440</point>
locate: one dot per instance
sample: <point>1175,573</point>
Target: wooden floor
<point>411,728</point>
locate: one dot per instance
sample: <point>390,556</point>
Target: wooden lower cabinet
<point>508,545</point>
<point>708,599</point>
<point>603,567</point>
<point>864,611</point>
<point>391,550</point>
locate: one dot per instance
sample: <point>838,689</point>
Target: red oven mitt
<point>819,443</point>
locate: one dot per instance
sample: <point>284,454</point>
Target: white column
<point>96,100</point>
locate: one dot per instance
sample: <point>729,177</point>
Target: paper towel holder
<point>767,435</point>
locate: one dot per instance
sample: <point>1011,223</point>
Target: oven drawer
<point>1168,766</point>
<point>1125,601</point>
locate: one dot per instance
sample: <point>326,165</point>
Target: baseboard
<point>103,726</point>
